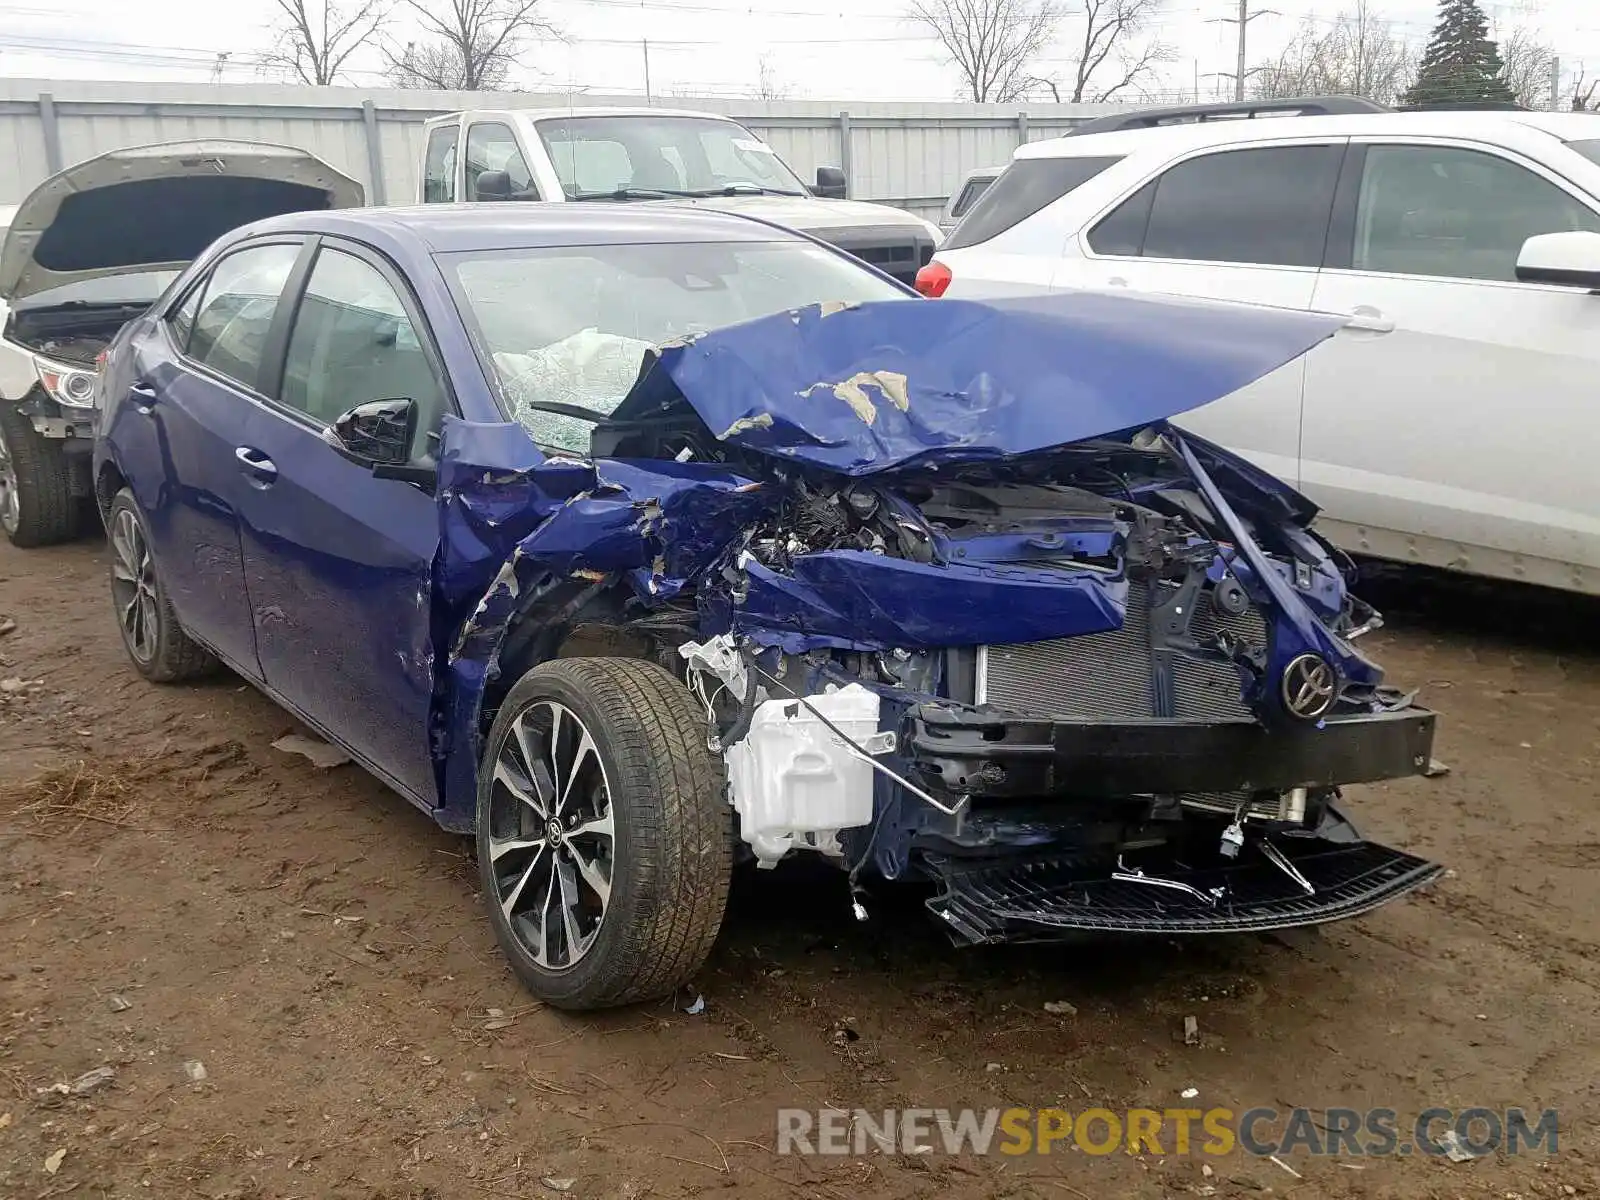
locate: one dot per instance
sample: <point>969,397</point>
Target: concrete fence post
<point>1022,129</point>
<point>844,155</point>
<point>51,131</point>
<point>376,192</point>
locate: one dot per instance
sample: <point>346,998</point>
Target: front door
<point>338,562</point>
<point>1450,424</point>
<point>1245,225</point>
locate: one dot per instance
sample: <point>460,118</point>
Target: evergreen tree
<point>1461,65</point>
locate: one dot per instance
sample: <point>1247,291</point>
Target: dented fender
<point>524,535</point>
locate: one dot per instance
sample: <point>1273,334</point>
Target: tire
<point>161,651</point>
<point>37,507</point>
<point>667,865</point>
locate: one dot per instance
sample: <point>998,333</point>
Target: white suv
<point>1452,422</point>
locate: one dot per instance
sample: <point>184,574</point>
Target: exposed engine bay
<point>1102,682</point>
<point>71,333</point>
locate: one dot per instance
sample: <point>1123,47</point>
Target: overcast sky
<point>813,49</point>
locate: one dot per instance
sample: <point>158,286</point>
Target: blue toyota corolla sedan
<point>636,540</point>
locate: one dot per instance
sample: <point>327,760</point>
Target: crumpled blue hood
<point>871,387</point>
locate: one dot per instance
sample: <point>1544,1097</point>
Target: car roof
<point>547,112</point>
<point>449,228</point>
<point>1479,125</point>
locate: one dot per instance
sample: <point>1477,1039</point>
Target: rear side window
<point>439,166</point>
<point>969,194</point>
<point>1022,189</point>
<point>230,330</point>
<point>1265,206</point>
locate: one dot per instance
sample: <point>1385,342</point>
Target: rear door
<point>196,380</point>
<point>1451,424</point>
<point>336,560</point>
<point>1248,225</point>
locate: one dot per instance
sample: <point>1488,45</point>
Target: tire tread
<point>51,513</point>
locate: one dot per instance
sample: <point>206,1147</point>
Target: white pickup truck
<point>623,154</point>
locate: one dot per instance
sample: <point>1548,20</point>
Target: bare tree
<point>1529,61</point>
<point>1358,55</point>
<point>768,85</point>
<point>314,38</point>
<point>1109,30</point>
<point>991,42</point>
<point>469,45</point>
<point>1583,93</point>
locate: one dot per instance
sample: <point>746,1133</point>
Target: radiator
<point>1110,676</point>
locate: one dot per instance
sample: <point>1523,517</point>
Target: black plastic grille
<point>1046,899</point>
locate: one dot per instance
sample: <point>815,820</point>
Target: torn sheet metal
<point>527,537</point>
<point>892,383</point>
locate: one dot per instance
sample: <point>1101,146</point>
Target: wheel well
<point>106,486</point>
<point>599,629</point>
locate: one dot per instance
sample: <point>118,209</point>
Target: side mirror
<point>492,185</point>
<point>830,183</point>
<point>379,434</point>
<point>1568,259</point>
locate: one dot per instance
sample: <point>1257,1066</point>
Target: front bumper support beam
<point>992,754</point>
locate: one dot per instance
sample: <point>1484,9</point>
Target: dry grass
<point>65,800</point>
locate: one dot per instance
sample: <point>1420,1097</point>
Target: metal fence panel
<point>910,155</point>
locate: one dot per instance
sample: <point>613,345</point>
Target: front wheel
<point>604,840</point>
<point>37,507</point>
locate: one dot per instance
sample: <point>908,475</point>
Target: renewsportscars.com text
<point>1375,1132</point>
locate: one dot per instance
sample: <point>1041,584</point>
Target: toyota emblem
<point>1308,686</point>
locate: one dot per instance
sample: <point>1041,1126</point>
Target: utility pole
<point>1555,84</point>
<point>1242,21</point>
<point>645,42</point>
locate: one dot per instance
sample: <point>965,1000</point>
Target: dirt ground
<point>173,891</point>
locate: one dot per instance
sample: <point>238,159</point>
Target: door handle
<point>1369,320</point>
<point>143,397</point>
<point>256,464</point>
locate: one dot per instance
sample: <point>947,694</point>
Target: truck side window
<point>439,166</point>
<point>492,146</point>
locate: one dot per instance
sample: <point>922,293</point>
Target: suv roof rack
<point>1466,106</point>
<point>1187,114</point>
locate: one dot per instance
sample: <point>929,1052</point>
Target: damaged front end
<point>960,606</point>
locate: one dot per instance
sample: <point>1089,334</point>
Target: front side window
<point>696,156</point>
<point>572,324</point>
<point>492,146</point>
<point>439,166</point>
<point>353,343</point>
<point>236,310</point>
<point>1265,206</point>
<point>1457,214</point>
<point>1021,190</point>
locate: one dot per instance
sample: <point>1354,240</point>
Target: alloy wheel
<point>551,841</point>
<point>10,502</point>
<point>133,586</point>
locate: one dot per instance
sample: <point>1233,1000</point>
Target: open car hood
<point>151,208</point>
<point>867,388</point>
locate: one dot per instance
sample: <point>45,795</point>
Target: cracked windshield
<point>571,325</point>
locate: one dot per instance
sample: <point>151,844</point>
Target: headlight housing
<point>70,386</point>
